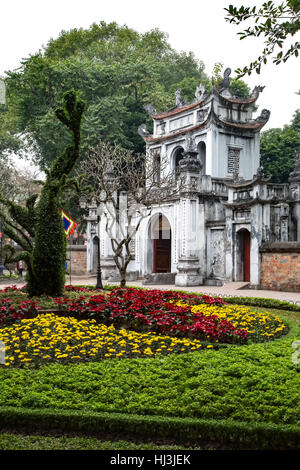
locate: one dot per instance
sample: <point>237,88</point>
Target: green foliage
<point>278,148</point>
<point>256,383</point>
<point>9,141</point>
<point>262,302</point>
<point>203,432</point>
<point>8,277</point>
<point>49,252</point>
<point>277,23</point>
<point>39,442</point>
<point>118,71</point>
<point>38,228</point>
<point>238,88</point>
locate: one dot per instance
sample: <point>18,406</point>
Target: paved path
<point>230,289</point>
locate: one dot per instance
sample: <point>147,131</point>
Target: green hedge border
<point>230,433</point>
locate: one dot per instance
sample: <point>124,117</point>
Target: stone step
<point>237,285</point>
<point>159,278</point>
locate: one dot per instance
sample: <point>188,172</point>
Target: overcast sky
<point>192,25</point>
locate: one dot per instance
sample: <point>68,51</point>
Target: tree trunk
<point>123,279</point>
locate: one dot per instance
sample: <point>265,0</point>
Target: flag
<point>69,223</point>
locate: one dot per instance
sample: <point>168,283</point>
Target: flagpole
<point>71,239</point>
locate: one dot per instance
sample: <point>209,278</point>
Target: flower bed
<point>171,313</point>
<point>52,339</point>
<point>174,313</point>
<point>260,326</point>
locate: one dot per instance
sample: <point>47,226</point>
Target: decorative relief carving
<point>217,253</point>
<point>200,92</point>
<point>181,122</point>
<point>161,128</point>
<point>295,175</point>
<point>202,114</point>
<point>233,166</point>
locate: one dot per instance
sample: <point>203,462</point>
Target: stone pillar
<point>294,189</point>
<point>228,245</point>
<point>188,272</point>
<point>256,236</point>
<point>188,263</point>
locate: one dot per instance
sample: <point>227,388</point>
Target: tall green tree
<point>278,148</point>
<point>37,226</point>
<point>118,71</point>
<point>278,23</point>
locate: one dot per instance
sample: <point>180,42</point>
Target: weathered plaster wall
<point>249,154</point>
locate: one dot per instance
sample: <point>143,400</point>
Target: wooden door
<point>162,255</point>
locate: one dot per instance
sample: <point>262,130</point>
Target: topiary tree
<point>37,227</point>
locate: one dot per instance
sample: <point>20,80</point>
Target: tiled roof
<point>176,110</point>
<point>175,134</point>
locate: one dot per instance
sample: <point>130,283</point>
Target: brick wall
<point>280,266</point>
<point>77,253</point>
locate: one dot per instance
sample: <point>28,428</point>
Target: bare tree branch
<point>127,186</point>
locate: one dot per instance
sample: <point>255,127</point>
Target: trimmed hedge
<point>13,441</point>
<point>262,302</point>
<point>247,435</point>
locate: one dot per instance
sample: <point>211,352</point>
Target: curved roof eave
<point>254,126</point>
<point>226,99</point>
<point>161,138</point>
<point>187,107</point>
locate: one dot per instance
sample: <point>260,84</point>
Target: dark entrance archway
<point>244,244</point>
<point>162,245</point>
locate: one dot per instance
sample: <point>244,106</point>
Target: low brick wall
<point>280,266</point>
<point>77,255</point>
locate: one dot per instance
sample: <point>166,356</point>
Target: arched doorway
<point>161,235</point>
<point>243,262</point>
<point>177,156</point>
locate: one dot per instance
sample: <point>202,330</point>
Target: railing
<point>243,195</point>
<point>219,187</point>
<point>279,191</point>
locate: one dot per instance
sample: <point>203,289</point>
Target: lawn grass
<point>13,441</point>
<point>254,383</point>
<point>250,383</point>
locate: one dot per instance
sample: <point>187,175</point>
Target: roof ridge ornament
<point>143,130</point>
<point>150,109</point>
<point>179,98</point>
<point>256,91</point>
<point>295,174</point>
<point>200,92</point>
<point>264,116</point>
<point>224,87</point>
